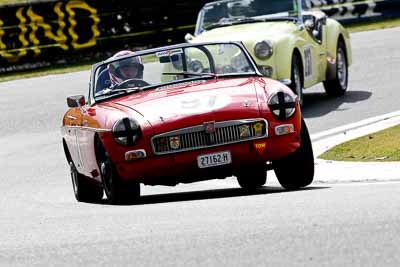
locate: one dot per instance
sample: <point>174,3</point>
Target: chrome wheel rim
<point>299,92</point>
<point>341,68</point>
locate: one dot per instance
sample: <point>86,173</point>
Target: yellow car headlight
<point>196,66</point>
<point>263,49</point>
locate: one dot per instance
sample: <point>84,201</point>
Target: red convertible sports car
<point>182,114</point>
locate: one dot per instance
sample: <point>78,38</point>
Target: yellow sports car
<point>289,42</point>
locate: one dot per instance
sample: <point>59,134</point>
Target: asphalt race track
<point>210,223</point>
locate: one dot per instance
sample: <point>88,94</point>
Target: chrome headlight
<point>126,131</point>
<point>263,49</point>
<point>282,105</point>
<point>196,66</point>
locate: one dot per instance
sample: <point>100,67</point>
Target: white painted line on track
<point>393,116</point>
<point>352,183</point>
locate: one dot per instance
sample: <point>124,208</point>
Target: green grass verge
<point>380,146</point>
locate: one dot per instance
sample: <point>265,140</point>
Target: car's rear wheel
<point>252,179</point>
<point>84,191</point>
<point>117,190</point>
<point>296,78</point>
<point>297,169</point>
<point>338,86</point>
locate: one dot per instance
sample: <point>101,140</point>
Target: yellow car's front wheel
<point>338,85</point>
<point>296,78</point>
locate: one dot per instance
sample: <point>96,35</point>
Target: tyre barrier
<point>349,11</point>
<point>51,32</point>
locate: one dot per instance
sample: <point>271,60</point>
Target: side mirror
<point>309,24</point>
<point>76,101</point>
<point>189,37</point>
<point>315,33</point>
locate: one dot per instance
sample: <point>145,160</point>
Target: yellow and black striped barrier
<point>45,32</point>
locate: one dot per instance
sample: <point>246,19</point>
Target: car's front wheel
<point>297,169</point>
<point>117,190</point>
<point>84,191</point>
<point>338,86</point>
<point>252,179</point>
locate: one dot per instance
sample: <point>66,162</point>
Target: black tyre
<point>117,190</point>
<point>297,169</point>
<point>84,190</point>
<point>296,78</point>
<point>338,86</point>
<point>252,179</point>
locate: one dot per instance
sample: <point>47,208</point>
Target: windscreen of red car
<point>169,66</point>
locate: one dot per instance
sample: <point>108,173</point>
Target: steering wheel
<point>130,83</point>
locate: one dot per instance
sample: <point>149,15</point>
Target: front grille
<point>197,137</point>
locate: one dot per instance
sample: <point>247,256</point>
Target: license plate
<point>214,159</point>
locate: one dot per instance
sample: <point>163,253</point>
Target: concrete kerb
<point>334,171</point>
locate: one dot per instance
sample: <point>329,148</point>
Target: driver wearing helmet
<point>237,9</point>
<point>125,69</point>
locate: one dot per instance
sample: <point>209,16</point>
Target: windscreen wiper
<point>233,21</point>
<point>110,91</point>
<point>246,20</point>
<point>217,25</point>
<point>191,73</point>
<point>280,18</point>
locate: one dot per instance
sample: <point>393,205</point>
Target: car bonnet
<point>222,99</point>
